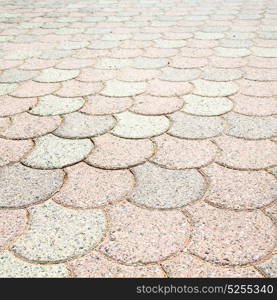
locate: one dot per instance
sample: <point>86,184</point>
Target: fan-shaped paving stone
<point>131,74</point>
<point>101,105</point>
<point>112,152</point>
<point>149,62</point>
<point>182,62</point>
<point>95,265</point>
<point>13,151</point>
<point>161,88</point>
<point>12,225</point>
<point>175,153</point>
<point>74,88</point>
<point>103,44</point>
<point>53,152</point>
<point>12,267</point>
<point>269,267</point>
<point>221,74</point>
<point>162,43</point>
<point>107,63</point>
<point>151,105</point>
<point>188,266</point>
<point>89,75</point>
<point>12,105</point>
<point>134,126</point>
<point>264,52</point>
<point>258,88</point>
<point>161,188</point>
<point>52,105</point>
<point>206,106</point>
<point>15,75</point>
<point>25,126</point>
<point>6,88</point>
<point>240,189</point>
<point>260,74</point>
<point>57,234</point>
<point>38,64</point>
<point>34,89</point>
<point>230,238</point>
<point>251,127</point>
<point>262,62</point>
<point>227,62</point>
<point>74,63</point>
<point>257,106</point>
<point>53,54</point>
<point>214,89</point>
<point>232,52</point>
<point>88,187</point>
<point>174,74</point>
<point>79,125</point>
<point>7,64</point>
<point>241,154</point>
<point>159,52</point>
<point>195,127</point>
<point>151,240</point>
<point>22,186</point>
<point>115,88</point>
<point>56,75</point>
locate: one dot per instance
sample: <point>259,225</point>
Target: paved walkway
<point>137,138</point>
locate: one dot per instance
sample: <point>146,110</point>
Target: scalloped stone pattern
<point>138,138</point>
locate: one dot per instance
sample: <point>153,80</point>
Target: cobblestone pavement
<point>138,138</point>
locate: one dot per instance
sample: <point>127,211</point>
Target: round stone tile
<point>132,74</point>
<point>79,125</point>
<point>96,265</point>
<point>115,88</point>
<point>56,75</point>
<point>12,105</point>
<point>6,88</point>
<point>230,238</point>
<point>57,233</point>
<point>22,186</point>
<point>151,105</point>
<point>112,152</point>
<point>174,74</point>
<point>241,154</point>
<point>134,126</point>
<point>161,88</point>
<point>52,152</point>
<point>25,126</point>
<point>140,235</point>
<point>12,151</point>
<point>214,89</point>
<point>12,267</point>
<point>74,88</point>
<point>185,265</point>
<point>88,187</point>
<point>90,75</point>
<point>221,74</point>
<point>161,188</point>
<point>101,105</point>
<point>175,153</point>
<point>240,189</point>
<point>251,127</point>
<point>52,105</point>
<point>206,106</point>
<point>195,127</point>
<point>16,75</point>
<point>258,88</point>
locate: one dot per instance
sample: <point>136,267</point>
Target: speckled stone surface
<point>22,186</point>
<point>160,188</point>
<point>12,267</point>
<point>57,233</point>
<point>230,238</point>
<point>151,241</point>
<point>138,138</point>
<point>52,152</point>
<point>89,187</point>
<point>79,125</point>
<point>96,265</point>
